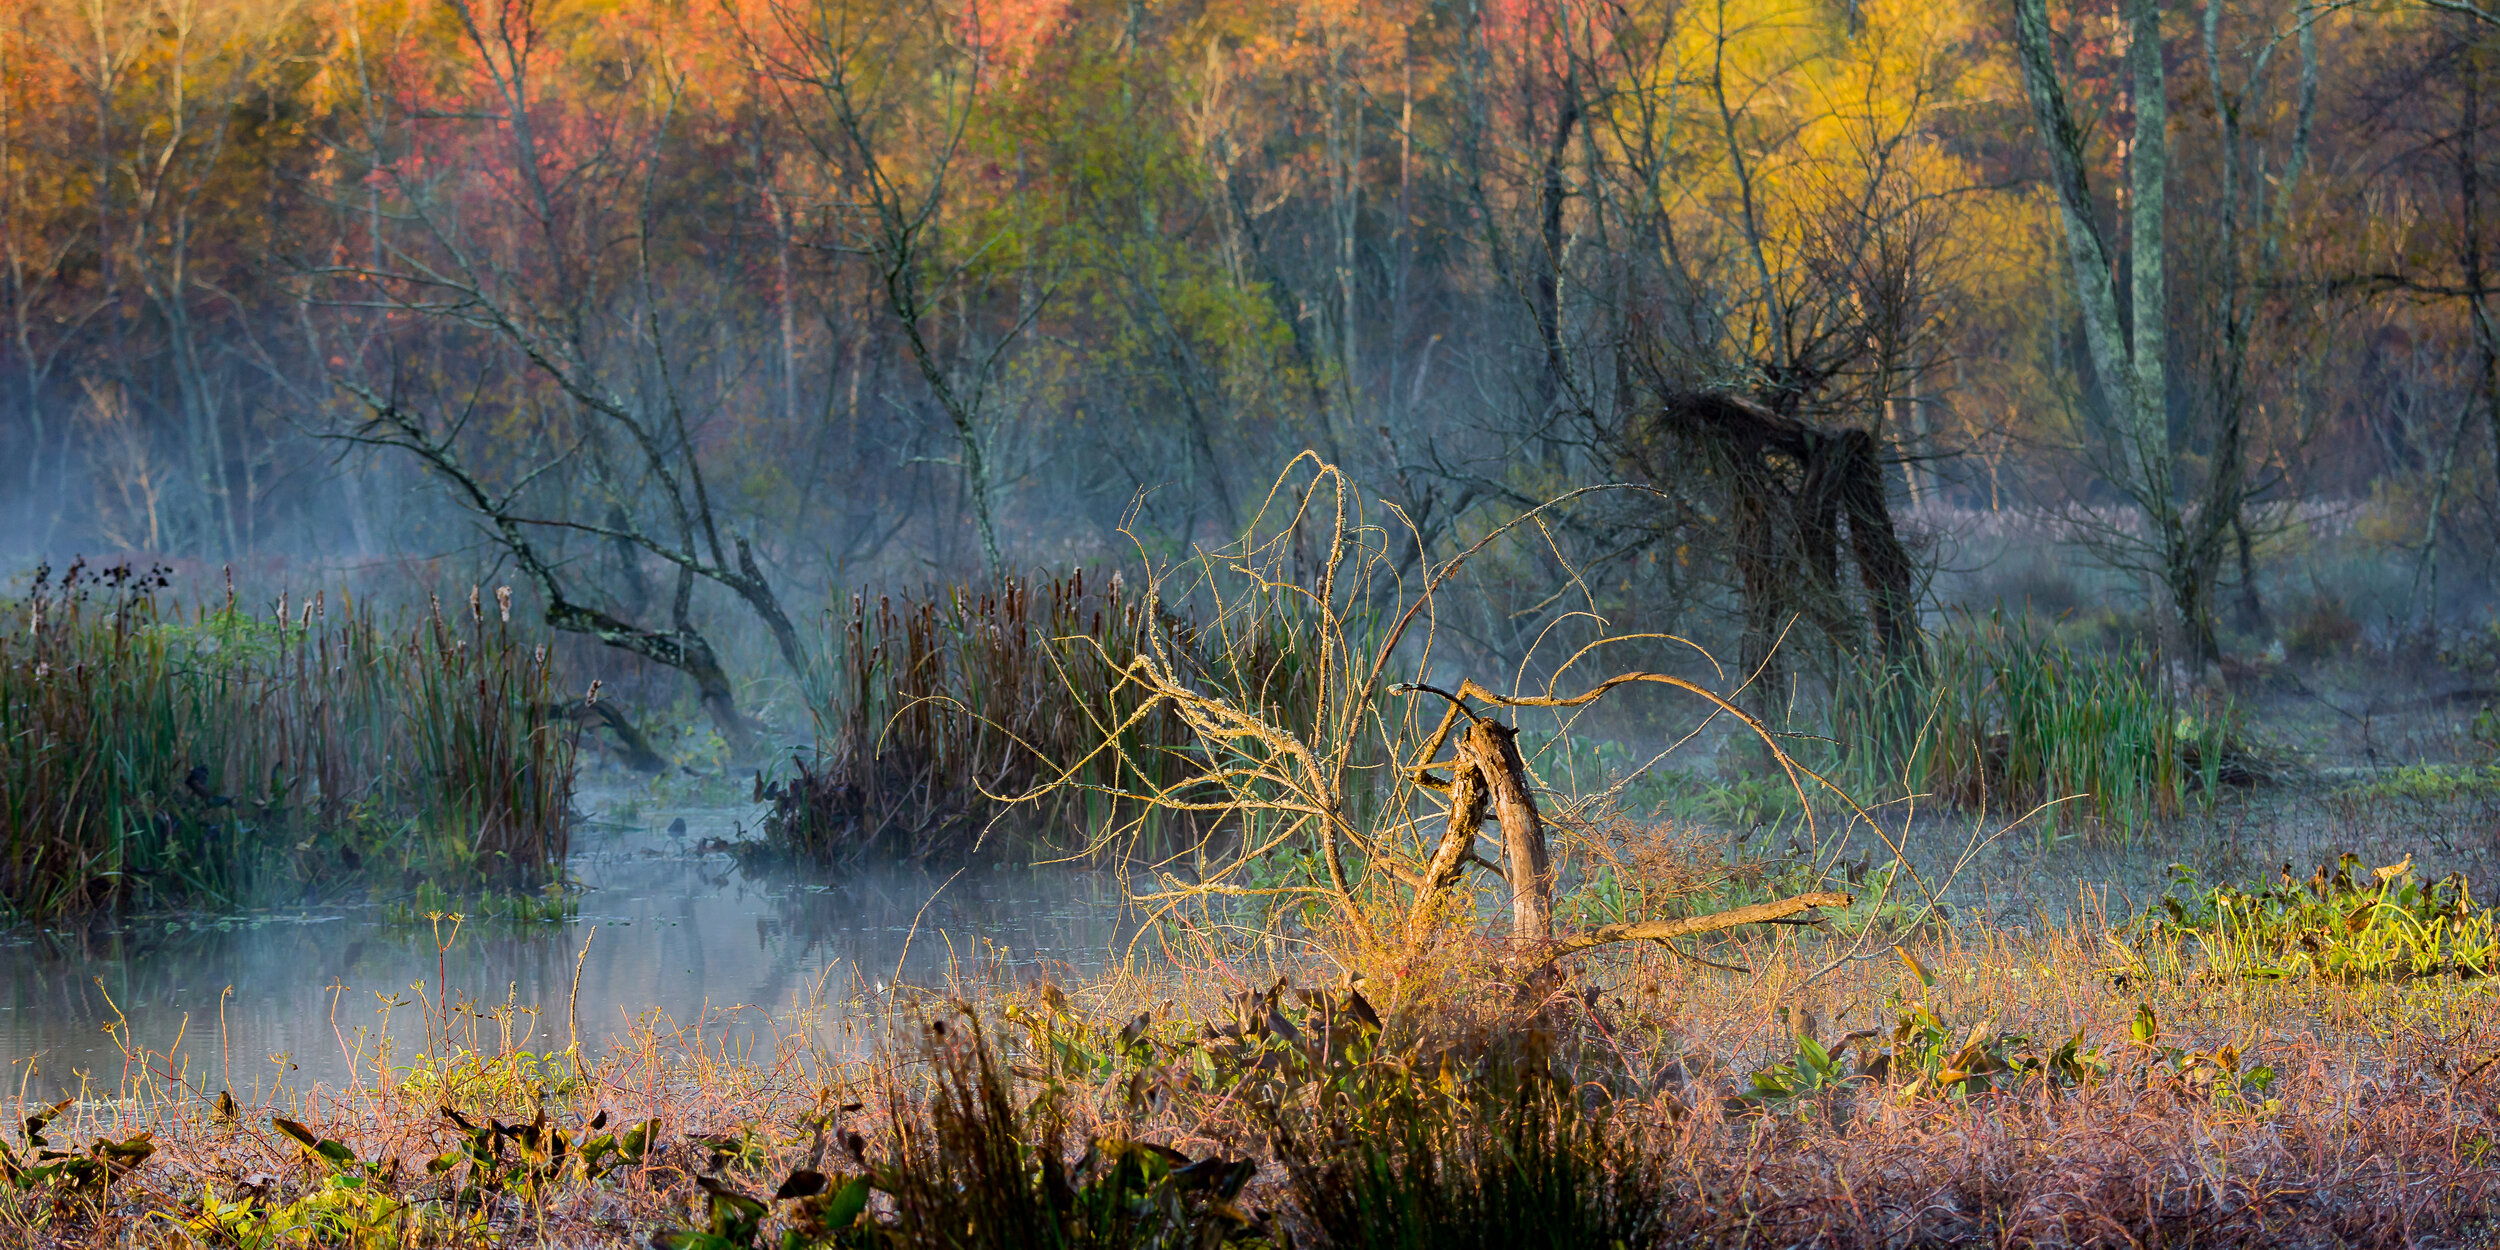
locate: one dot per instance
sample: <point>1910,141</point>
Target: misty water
<point>683,938</point>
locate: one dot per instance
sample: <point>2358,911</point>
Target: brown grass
<point>967,713</point>
<point>2379,1133</point>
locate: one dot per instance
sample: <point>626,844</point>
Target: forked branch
<point>1488,771</point>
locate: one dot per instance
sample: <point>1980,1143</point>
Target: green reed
<point>1998,718</point>
<point>151,755</point>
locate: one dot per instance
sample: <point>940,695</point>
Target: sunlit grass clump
<point>150,755</point>
<point>2345,922</point>
<point>1995,717</point>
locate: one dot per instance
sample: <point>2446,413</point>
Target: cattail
<point>475,613</point>
<point>503,603</point>
<point>593,696</point>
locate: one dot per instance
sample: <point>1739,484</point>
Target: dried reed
<point>954,708</point>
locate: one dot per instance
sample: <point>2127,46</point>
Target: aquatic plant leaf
<point>1926,979</point>
<point>846,1206</point>
<point>1361,1009</point>
<point>35,1123</point>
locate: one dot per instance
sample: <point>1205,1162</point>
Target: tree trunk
<point>1458,844</point>
<point>1549,266</point>
<point>1494,751</point>
<point>1784,570</point>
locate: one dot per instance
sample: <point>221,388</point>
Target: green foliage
<point>2433,782</point>
<point>2222,1077</point>
<point>1997,718</point>
<point>354,1205</point>
<point>227,639</point>
<point>149,758</point>
<point>1730,802</point>
<point>498,1158</point>
<point>967,1169</point>
<point>550,904</point>
<point>2346,922</point>
<point>1920,1058</point>
<point>37,1164</point>
<point>462,1077</point>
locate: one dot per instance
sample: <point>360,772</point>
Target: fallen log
<point>1662,930</point>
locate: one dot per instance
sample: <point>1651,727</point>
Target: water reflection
<point>678,933</point>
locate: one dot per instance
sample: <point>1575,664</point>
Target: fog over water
<point>681,938</point>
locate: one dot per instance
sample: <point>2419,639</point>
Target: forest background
<point>689,317</point>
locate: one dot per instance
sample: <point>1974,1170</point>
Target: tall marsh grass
<point>947,708</point>
<point>152,755</point>
<point>2000,718</point>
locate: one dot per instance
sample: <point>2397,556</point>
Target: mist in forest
<point>688,320</point>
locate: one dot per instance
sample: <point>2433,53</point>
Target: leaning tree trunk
<point>1793,489</point>
<point>1493,749</point>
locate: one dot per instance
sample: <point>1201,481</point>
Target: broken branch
<point>1662,930</point>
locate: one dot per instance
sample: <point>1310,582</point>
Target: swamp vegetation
<point>791,624</point>
<point>155,756</point>
<point>1406,967</point>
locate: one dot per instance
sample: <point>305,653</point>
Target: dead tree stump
<point>1487,771</point>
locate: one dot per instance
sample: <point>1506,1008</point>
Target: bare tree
<point>889,143</point>
<point>540,279</point>
<point>1792,266</point>
<point>2187,525</point>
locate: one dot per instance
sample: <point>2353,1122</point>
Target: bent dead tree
<point>1485,772</point>
<point>683,648</point>
<point>1792,488</point>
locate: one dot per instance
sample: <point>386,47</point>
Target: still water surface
<point>688,935</point>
